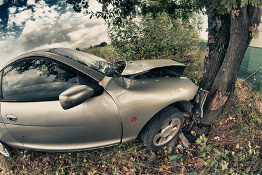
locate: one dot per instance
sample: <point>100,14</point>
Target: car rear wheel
<point>163,128</point>
<point>5,150</point>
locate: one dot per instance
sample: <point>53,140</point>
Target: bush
<point>154,38</point>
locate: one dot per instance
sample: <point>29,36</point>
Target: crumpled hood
<point>140,66</point>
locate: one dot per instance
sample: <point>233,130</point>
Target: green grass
<point>224,161</point>
<point>247,110</point>
<point>236,139</point>
<point>115,160</point>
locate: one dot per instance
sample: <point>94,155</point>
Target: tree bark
<point>224,80</point>
<point>218,40</point>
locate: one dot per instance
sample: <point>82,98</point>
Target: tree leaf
<point>209,148</point>
<point>198,141</point>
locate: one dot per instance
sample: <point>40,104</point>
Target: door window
<point>37,79</point>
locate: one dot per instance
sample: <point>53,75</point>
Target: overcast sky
<point>27,25</point>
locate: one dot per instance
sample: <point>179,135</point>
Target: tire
<point>5,150</point>
<point>163,128</point>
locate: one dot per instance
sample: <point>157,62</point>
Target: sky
<point>27,25</point>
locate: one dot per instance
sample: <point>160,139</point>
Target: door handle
<point>11,118</point>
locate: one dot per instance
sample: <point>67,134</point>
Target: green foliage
<point>107,52</point>
<point>228,6</point>
<point>113,11</point>
<point>223,161</point>
<point>193,60</point>
<point>256,3</point>
<point>176,9</point>
<point>154,38</point>
<point>116,11</point>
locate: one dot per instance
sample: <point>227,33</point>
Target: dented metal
<point>141,66</point>
<point>199,102</point>
<point>143,98</point>
<point>101,115</point>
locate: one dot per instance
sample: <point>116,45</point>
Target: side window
<point>36,79</point>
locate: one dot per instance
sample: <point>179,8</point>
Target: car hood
<point>140,66</point>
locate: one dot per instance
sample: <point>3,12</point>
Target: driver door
<point>33,115</point>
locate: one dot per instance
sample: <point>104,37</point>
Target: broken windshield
<point>94,62</point>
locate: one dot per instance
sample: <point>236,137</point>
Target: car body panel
<point>139,66</point>
<point>45,125</point>
<point>102,120</point>
<point>144,98</point>
<point>1,120</point>
<point>7,137</point>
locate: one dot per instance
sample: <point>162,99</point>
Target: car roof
<point>58,57</point>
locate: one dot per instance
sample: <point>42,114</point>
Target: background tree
<point>230,26</point>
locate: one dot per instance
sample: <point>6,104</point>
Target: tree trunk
<point>218,39</point>
<point>225,70</point>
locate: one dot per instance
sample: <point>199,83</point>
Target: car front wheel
<point>164,127</point>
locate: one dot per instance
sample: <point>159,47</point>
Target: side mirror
<point>75,96</point>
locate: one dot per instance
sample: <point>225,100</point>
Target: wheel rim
<point>167,132</point>
<point>4,151</point>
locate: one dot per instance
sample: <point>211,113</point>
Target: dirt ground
<point>131,158</point>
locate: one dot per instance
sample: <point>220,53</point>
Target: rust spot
<point>218,100</point>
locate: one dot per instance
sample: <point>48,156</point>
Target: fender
<point>143,98</point>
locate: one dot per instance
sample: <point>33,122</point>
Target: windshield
<point>94,62</point>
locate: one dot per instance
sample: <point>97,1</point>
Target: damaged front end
<point>149,69</point>
<point>192,128</point>
<point>196,113</point>
<point>153,85</point>
<point>145,69</point>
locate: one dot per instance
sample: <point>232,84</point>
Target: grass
<point>247,110</point>
<point>225,161</point>
<point>234,145</point>
<point>236,138</point>
<point>114,160</point>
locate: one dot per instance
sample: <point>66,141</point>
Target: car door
<point>33,115</point>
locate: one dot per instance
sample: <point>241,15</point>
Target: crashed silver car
<point>63,100</point>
